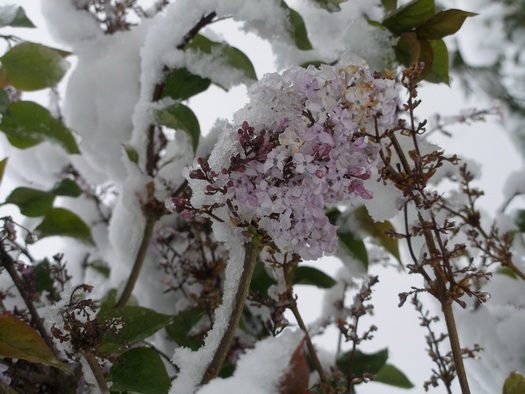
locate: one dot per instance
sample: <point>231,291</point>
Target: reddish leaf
<point>297,378</point>
<point>19,340</point>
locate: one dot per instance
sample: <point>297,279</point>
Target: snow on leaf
<point>61,222</point>
<point>11,15</point>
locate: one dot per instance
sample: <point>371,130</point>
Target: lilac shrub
<point>302,145</point>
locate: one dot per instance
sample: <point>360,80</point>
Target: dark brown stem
<point>251,251</point>
<point>139,260</point>
<point>97,371</point>
<point>309,344</point>
<point>456,348</point>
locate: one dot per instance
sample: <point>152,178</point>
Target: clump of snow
<point>261,369</point>
<point>387,200</point>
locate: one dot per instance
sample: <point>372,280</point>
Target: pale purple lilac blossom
<point>303,144</point>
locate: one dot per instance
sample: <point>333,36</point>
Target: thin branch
<point>250,259</point>
<point>97,372</point>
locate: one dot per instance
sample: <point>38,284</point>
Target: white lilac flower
<point>304,142</point>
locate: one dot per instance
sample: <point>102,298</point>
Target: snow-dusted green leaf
<point>14,16</point>
<point>179,328</point>
<point>231,55</point>
<point>330,5</point>
<point>179,117</point>
<point>64,223</point>
<point>30,66</point>
<point>3,164</point>
<point>297,28</point>
<point>27,124</point>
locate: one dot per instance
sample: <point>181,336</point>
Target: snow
<point>261,369</point>
<point>193,364</point>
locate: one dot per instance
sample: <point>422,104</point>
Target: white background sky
<point>398,328</point>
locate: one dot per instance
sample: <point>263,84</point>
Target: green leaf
<point>507,272</point>
<point>231,55</point>
<point>389,5</point>
<point>353,246</point>
<point>139,323</point>
<point>180,84</point>
<point>330,5</point>
<point>4,101</point>
<point>297,28</point>
<point>32,202</point>
<point>27,124</point>
<point>11,15</point>
<point>312,276</point>
<point>377,230</point>
<point>179,117</point>
<point>19,340</point>
<point>514,384</point>
<point>439,71</point>
<point>520,220</point>
<point>101,267</point>
<point>408,49</point>
<point>31,66</point>
<point>261,281</point>
<point>64,223</point>
<point>68,188</point>
<point>392,376</point>
<point>131,153</point>
<point>182,324</point>
<point>443,24</point>
<point>315,63</point>
<point>139,370</point>
<point>409,16</point>
<point>43,279</point>
<point>363,362</point>
<point>3,165</point>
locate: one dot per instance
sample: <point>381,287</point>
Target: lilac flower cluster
<point>303,143</point>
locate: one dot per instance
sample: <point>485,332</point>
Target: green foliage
<point>139,324</point>
<point>311,276</point>
<point>180,84</point>
<point>514,384</point>
<point>18,340</point>
<point>330,5</point>
<point>378,232</point>
<point>131,153</point>
<point>388,374</point>
<point>180,326</point>
<point>297,28</point>
<point>231,55</point>
<point>29,66</point>
<point>4,101</point>
<point>27,124</point>
<point>32,202</point>
<point>64,223</point>
<point>67,188</point>
<point>354,247</point>
<point>179,117</point>
<point>362,362</point>
<point>139,370</point>
<point>420,31</point>
<point>18,18</point>
<point>3,164</point>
